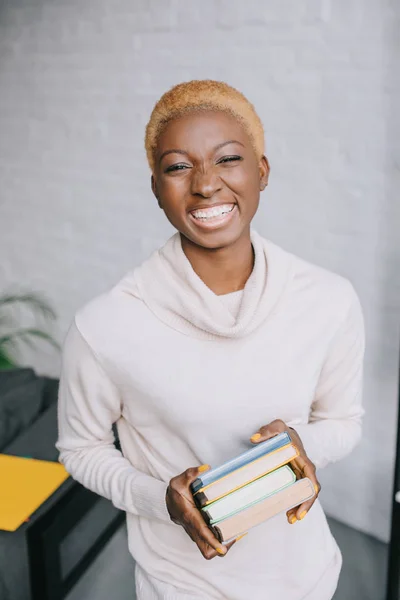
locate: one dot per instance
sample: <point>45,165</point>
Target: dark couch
<point>24,397</point>
<point>44,558</point>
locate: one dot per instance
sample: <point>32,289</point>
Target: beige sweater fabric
<point>188,377</point>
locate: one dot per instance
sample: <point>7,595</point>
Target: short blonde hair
<point>199,95</point>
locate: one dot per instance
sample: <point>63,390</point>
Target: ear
<point>264,172</point>
<point>154,190</point>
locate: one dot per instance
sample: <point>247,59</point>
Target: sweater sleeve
<point>88,405</point>
<point>334,426</point>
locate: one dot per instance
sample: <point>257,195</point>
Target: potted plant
<point>12,335</point>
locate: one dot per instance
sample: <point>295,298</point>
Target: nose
<point>205,182</point>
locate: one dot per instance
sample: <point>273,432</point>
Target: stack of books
<point>251,488</point>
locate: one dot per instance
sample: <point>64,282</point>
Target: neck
<point>223,270</point>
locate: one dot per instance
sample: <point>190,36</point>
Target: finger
<point>181,483</point>
<point>195,524</point>
<point>296,469</point>
<point>307,469</point>
<point>212,553</point>
<point>192,473</point>
<point>231,543</point>
<point>303,467</point>
<point>304,509</point>
<point>299,512</point>
<point>291,516</point>
<point>268,431</point>
<point>207,551</point>
<point>204,535</point>
<point>208,536</point>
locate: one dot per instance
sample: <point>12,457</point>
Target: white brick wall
<point>78,81</point>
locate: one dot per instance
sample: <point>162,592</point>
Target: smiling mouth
<point>213,212</point>
<point>213,217</point>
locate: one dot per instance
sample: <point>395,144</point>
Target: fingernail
<point>293,519</point>
<point>255,437</point>
<point>303,514</point>
<point>203,468</point>
<point>316,488</point>
<point>241,536</point>
<point>221,551</point>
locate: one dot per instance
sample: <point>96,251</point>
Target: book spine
<point>196,485</point>
<point>200,499</point>
<point>217,532</point>
<point>301,491</point>
<point>266,447</point>
<point>245,482</point>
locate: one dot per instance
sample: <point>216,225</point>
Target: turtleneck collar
<point>170,288</point>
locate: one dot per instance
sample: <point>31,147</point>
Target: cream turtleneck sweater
<point>188,377</point>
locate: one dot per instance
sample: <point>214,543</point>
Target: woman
<point>219,338</point>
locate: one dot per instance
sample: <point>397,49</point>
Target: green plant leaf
<point>9,346</point>
<point>10,338</point>
<point>23,335</point>
<point>6,362</point>
<point>35,302</point>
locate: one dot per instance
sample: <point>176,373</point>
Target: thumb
<point>193,473</point>
<point>256,437</point>
<point>203,468</point>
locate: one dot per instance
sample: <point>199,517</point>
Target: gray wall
<point>77,83</point>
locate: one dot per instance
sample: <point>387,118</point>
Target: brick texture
<point>77,83</point>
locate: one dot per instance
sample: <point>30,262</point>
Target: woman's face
<point>207,178</point>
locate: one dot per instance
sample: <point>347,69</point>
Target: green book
<point>250,494</point>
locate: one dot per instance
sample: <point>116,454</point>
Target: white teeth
<point>209,213</point>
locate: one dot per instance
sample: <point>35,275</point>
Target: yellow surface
<point>25,484</point>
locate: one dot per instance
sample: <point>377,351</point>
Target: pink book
<point>288,498</point>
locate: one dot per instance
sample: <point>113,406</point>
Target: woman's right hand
<point>183,511</point>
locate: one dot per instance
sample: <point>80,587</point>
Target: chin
<point>215,240</point>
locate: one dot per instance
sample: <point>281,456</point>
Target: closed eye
<point>176,167</point>
<point>228,159</point>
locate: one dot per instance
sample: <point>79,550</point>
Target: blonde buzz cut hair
<point>202,95</point>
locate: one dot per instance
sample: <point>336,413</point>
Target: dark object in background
<point>23,397</point>
<point>46,556</point>
<point>393,585</point>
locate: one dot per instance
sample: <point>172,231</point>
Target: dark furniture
<point>393,581</point>
<point>45,557</point>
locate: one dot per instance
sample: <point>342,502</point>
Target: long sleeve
<point>334,426</point>
<point>88,405</point>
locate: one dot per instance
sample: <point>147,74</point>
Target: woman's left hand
<point>302,465</point>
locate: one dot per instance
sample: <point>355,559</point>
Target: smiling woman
<point>207,178</point>
<point>205,145</point>
<point>219,340</point>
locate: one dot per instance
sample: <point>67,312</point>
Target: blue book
<point>275,443</point>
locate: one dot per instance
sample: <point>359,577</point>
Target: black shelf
<point>393,580</point>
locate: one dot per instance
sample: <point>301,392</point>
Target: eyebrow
<point>217,147</point>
